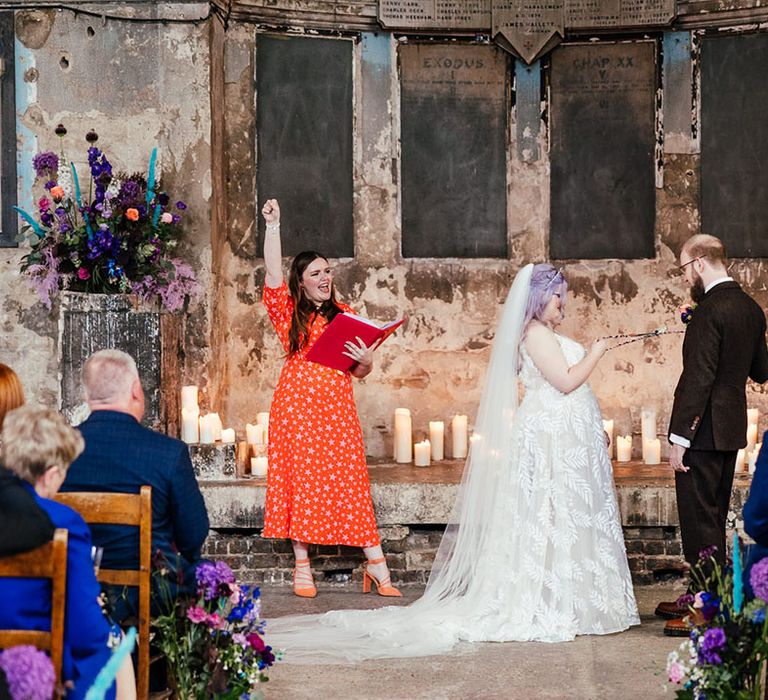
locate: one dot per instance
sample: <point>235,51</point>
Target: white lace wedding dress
<point>535,550</point>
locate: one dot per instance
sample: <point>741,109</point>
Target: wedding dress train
<point>534,550</point>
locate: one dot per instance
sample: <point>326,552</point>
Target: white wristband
<point>273,227</point>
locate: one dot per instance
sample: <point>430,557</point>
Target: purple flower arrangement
<point>727,650</point>
<point>214,643</point>
<point>120,238</point>
<point>28,672</point>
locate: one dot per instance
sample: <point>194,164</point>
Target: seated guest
<point>120,456</point>
<point>38,447</point>
<point>755,514</point>
<point>23,524</point>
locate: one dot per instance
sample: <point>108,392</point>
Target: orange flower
<point>57,193</point>
<point>132,214</point>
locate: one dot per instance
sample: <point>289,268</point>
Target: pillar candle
<point>753,415</point>
<point>266,434</point>
<point>228,436</point>
<point>254,434</point>
<point>403,439</point>
<point>436,439</point>
<point>421,452</point>
<point>207,435</point>
<point>216,425</point>
<point>190,428</point>
<point>608,427</point>
<point>647,427</point>
<point>752,459</point>
<point>459,436</point>
<point>751,436</point>
<point>259,466</point>
<point>262,418</point>
<point>741,460</point>
<point>189,397</point>
<point>652,451</point>
<point>624,448</point>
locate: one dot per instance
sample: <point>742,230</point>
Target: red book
<point>347,327</point>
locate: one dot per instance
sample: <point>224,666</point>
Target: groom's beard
<point>697,289</point>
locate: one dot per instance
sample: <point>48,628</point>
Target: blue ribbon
<point>156,215</point>
<point>151,177</point>
<point>106,676</point>
<point>738,576</point>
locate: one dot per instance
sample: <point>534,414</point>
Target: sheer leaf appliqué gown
<point>552,564</point>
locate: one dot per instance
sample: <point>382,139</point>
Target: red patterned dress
<point>317,486</point>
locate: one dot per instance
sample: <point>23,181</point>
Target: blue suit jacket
<point>120,456</point>
<point>756,512</point>
<point>27,603</point>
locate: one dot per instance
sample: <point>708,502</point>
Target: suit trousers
<point>703,497</point>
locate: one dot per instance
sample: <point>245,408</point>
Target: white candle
<point>652,451</point>
<point>189,397</point>
<point>751,436</point>
<point>752,458</point>
<point>421,452</point>
<point>262,418</point>
<point>647,427</point>
<point>624,448</point>
<point>403,439</point>
<point>228,436</point>
<point>215,425</point>
<point>753,415</point>
<point>254,434</point>
<point>190,428</point>
<point>207,434</point>
<point>266,434</point>
<point>608,428</point>
<point>436,439</point>
<point>259,466</point>
<point>459,436</point>
<point>741,459</point>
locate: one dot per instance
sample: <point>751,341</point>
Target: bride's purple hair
<point>546,281</point>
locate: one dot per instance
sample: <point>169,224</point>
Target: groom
<point>724,344</point>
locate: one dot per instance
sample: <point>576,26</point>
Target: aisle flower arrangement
<point>115,233</point>
<point>214,643</point>
<point>725,656</point>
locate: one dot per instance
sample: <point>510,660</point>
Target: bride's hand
<point>599,347</point>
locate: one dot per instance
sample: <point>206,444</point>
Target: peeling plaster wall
<point>145,85</point>
<point>139,86</point>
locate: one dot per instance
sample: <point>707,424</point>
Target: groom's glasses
<point>684,265</point>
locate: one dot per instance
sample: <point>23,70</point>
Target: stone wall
<point>189,89</point>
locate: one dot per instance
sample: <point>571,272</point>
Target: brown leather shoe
<point>677,627</point>
<point>670,610</point>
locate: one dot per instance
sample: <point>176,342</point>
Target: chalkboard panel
<point>304,136</point>
<point>734,142</point>
<point>453,135</point>
<point>8,222</point>
<point>602,151</point>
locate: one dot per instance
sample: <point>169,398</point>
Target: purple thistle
<point>46,164</point>
<point>707,552</point>
<point>758,578</point>
<point>29,673</point>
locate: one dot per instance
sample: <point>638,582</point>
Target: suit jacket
<point>120,456</point>
<point>724,344</point>
<point>24,525</point>
<point>27,603</point>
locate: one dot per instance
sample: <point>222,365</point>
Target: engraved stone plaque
<point>436,14</point>
<point>528,28</point>
<point>582,14</point>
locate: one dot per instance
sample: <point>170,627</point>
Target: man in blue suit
<point>120,456</point>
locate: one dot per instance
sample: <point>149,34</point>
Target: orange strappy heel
<point>303,584</point>
<point>384,587</point>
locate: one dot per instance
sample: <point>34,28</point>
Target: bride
<point>534,550</point>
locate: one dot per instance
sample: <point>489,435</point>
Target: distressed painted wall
<point>145,85</point>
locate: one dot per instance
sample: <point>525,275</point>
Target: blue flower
<point>758,616</point>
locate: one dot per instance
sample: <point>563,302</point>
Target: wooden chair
<point>101,508</point>
<point>48,561</point>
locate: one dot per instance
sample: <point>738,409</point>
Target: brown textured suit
<point>724,345</point>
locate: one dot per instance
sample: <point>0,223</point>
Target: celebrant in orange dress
<point>317,487</point>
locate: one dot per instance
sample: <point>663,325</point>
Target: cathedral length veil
<point>456,591</point>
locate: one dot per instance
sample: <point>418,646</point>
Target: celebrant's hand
<point>271,212</point>
<point>599,347</point>
<point>360,353</point>
<point>676,453</point>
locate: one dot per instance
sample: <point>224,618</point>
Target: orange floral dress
<point>317,486</point>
